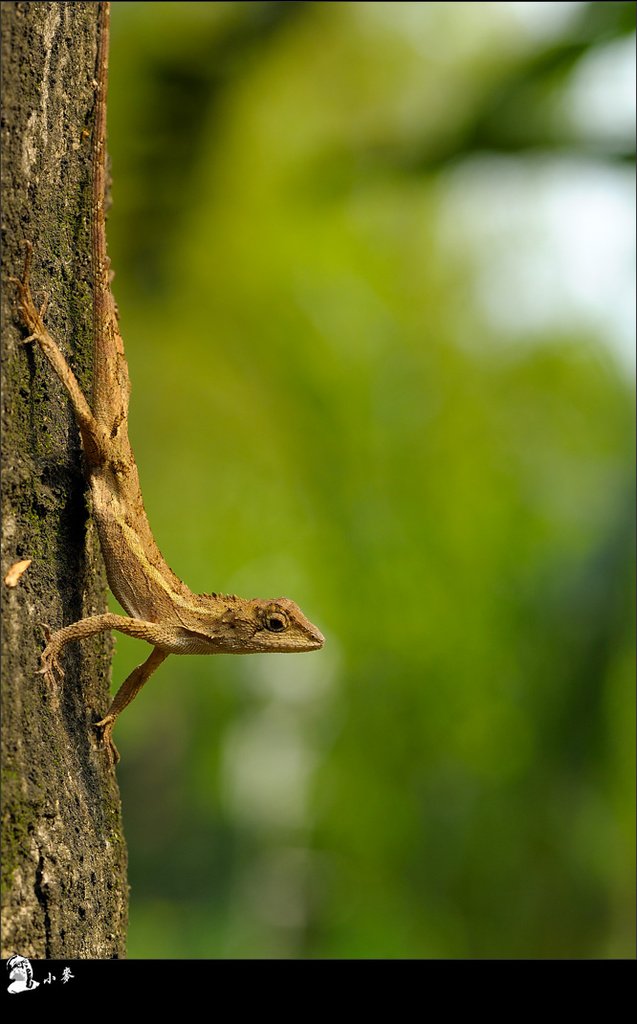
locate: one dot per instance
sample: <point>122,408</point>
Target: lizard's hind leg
<point>92,435</point>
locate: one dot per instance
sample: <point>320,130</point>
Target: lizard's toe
<point>106,727</point>
<point>50,660</point>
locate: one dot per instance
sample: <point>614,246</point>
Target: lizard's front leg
<point>126,693</point>
<point>52,670</point>
<point>152,632</point>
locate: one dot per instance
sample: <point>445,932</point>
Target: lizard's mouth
<point>315,640</point>
<point>310,640</point>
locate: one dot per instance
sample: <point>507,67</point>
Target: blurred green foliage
<point>323,408</point>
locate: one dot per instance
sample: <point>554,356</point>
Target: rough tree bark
<point>64,857</point>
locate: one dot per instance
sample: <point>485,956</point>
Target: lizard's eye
<point>276,622</point>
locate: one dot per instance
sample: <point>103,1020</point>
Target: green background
<point>361,380</point>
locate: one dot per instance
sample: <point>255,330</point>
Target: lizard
<point>160,608</point>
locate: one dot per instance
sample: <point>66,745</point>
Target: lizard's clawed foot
<point>50,660</point>
<point>32,317</point>
<point>23,282</point>
<point>106,725</point>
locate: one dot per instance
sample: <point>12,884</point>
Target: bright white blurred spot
<point>600,98</point>
<point>296,679</point>
<point>266,770</point>
<point>543,20</point>
<point>551,243</point>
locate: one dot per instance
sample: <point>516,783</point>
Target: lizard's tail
<point>111,385</point>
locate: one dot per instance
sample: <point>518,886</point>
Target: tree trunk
<point>64,857</point>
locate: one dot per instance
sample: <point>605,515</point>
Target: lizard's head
<point>256,626</point>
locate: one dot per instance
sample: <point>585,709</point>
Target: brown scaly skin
<point>162,610</point>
